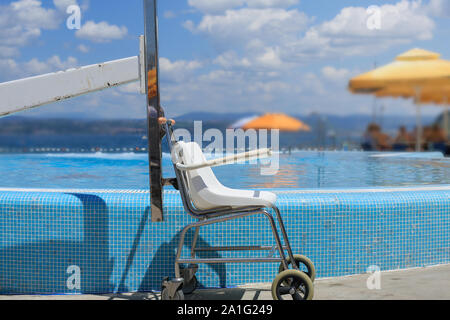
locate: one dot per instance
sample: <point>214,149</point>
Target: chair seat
<point>206,192</point>
<point>221,196</point>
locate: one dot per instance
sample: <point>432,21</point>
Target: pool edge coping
<point>277,191</point>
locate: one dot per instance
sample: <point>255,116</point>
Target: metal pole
<point>154,111</point>
<point>419,129</point>
<point>418,120</point>
<point>446,117</point>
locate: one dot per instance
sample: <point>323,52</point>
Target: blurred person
<point>437,139</point>
<point>375,139</point>
<point>369,142</point>
<point>403,141</point>
<point>436,135</point>
<point>425,137</point>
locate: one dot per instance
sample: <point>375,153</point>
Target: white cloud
<point>6,52</point>
<point>106,104</point>
<point>220,6</point>
<point>271,3</point>
<point>270,58</point>
<point>230,59</point>
<point>101,32</point>
<point>312,84</point>
<point>240,27</point>
<point>10,69</point>
<point>239,90</point>
<point>62,5</point>
<point>54,63</point>
<point>32,15</point>
<point>277,37</point>
<point>347,34</point>
<point>265,47</point>
<point>83,48</point>
<point>440,8</point>
<point>133,87</point>
<point>177,71</point>
<point>18,35</point>
<point>402,20</point>
<point>22,21</point>
<point>336,75</point>
<point>267,60</point>
<point>215,6</point>
<point>170,72</point>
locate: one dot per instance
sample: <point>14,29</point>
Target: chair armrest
<point>245,156</point>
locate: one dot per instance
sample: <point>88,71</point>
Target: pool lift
<point>204,197</point>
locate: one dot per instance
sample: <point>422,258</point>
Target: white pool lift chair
<point>210,202</point>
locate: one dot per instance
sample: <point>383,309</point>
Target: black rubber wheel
<point>292,285</point>
<point>178,295</point>
<point>302,262</point>
<point>190,286</point>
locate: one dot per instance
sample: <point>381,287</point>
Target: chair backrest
<point>198,179</point>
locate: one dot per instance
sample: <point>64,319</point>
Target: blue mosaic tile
<point>73,242</point>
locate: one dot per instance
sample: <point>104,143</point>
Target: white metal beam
<point>19,95</point>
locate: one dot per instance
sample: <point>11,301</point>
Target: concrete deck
<point>424,283</point>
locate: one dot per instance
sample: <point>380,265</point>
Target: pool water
<point>301,169</point>
<point>107,235</point>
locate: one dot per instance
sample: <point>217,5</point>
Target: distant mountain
<point>21,133</point>
<point>340,124</point>
<point>211,116</point>
<point>35,126</point>
<point>359,122</point>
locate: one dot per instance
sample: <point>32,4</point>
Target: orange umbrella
<point>282,122</point>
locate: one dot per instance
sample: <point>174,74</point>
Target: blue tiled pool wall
<point>108,242</point>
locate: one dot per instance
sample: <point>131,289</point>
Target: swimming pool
<point>59,235</point>
<point>301,169</point>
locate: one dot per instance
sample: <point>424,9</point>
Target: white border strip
<point>368,190</point>
<point>115,191</point>
<point>307,191</point>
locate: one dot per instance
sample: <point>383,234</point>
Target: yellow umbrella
<point>414,73</point>
<point>416,68</point>
<point>428,94</point>
<point>278,121</point>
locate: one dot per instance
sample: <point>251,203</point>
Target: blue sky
<point>293,56</point>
